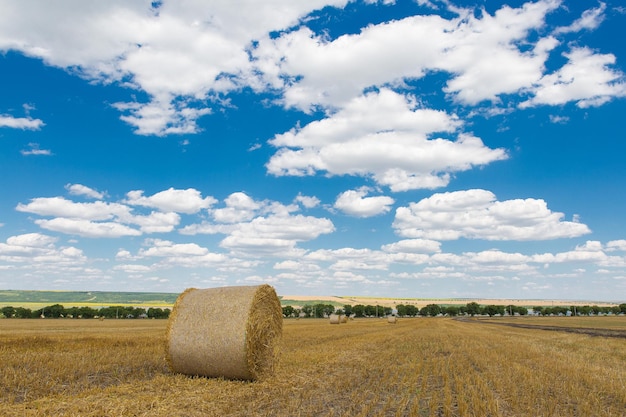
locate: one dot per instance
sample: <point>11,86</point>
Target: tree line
<point>433,310</point>
<point>59,311</point>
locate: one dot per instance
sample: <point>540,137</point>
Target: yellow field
<point>367,367</point>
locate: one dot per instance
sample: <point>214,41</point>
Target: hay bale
<point>334,319</point>
<point>230,332</point>
<point>344,319</point>
<point>392,320</point>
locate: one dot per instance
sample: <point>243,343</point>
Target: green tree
<point>622,308</point>
<point>158,313</point>
<point>411,310</point>
<point>472,308</point>
<point>307,310</point>
<point>347,309</point>
<point>288,311</point>
<point>87,312</point>
<point>24,313</point>
<point>359,310</point>
<point>538,310</point>
<point>493,310</point>
<point>401,308</point>
<point>431,310</point>
<point>8,312</point>
<point>451,311</point>
<point>374,311</point>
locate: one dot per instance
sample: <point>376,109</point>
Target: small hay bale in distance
<point>335,318</point>
<point>344,319</point>
<point>392,320</point>
<point>229,332</point>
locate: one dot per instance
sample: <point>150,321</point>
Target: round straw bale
<point>230,332</point>
<point>344,319</point>
<point>335,319</point>
<point>392,320</point>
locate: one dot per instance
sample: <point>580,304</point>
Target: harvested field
<point>418,367</point>
<point>591,326</point>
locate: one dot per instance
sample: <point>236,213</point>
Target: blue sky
<point>418,148</point>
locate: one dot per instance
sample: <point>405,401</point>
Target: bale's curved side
<point>264,331</point>
<point>229,332</point>
<point>334,318</point>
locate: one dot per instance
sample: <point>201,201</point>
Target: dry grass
<point>419,367</point>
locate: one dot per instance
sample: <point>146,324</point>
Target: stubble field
<point>367,367</point>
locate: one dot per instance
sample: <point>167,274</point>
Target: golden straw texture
<point>230,332</point>
<point>335,318</point>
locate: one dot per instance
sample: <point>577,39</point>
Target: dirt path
<point>590,331</point>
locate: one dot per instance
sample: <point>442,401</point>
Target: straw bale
<point>335,319</point>
<point>392,320</point>
<point>344,319</point>
<point>229,332</point>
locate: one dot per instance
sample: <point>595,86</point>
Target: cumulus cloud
<point>24,123</point>
<point>307,201</point>
<point>586,79</point>
<point>112,220</point>
<point>476,214</point>
<point>481,52</point>
<point>187,201</point>
<point>185,56</point>
<point>39,250</point>
<point>34,149</point>
<point>61,207</point>
<point>276,234</point>
<point>355,203</point>
<point>87,228</point>
<point>616,245</point>
<point>589,20</point>
<point>239,207</point>
<point>413,246</point>
<point>176,52</point>
<point>386,136</point>
<point>79,189</point>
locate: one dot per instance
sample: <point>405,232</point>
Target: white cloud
<point>156,222</point>
<point>239,207</point>
<point>476,214</point>
<point>385,136</point>
<point>39,251</point>
<point>176,52</point>
<point>275,234</point>
<point>24,123</point>
<point>35,150</point>
<point>186,55</point>
<point>187,201</point>
<point>87,228</point>
<point>307,201</point>
<point>589,20</point>
<point>482,54</point>
<point>413,246</point>
<point>355,203</point>
<point>79,189</point>
<point>60,207</point>
<point>164,248</point>
<point>585,79</point>
<point>616,245</point>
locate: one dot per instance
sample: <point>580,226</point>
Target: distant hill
<point>17,297</point>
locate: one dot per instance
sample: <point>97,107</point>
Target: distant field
<point>38,299</point>
<point>366,367</point>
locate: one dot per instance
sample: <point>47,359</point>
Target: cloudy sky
<point>424,148</point>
